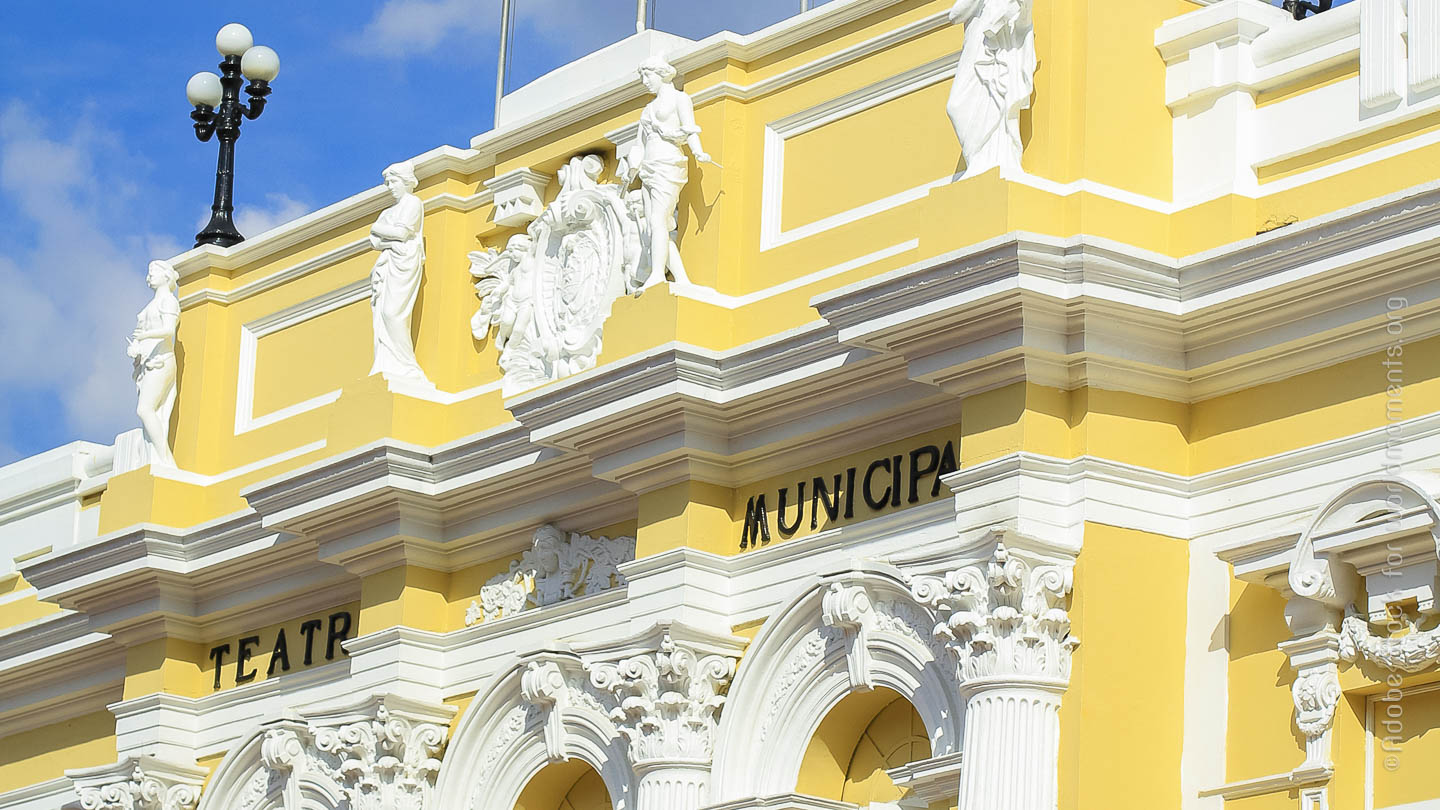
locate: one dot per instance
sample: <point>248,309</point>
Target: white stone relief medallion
<point>548,293</point>
<point>557,567</point>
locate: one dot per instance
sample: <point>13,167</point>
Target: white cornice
<point>1083,311</point>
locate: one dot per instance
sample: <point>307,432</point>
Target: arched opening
<point>570,785</point>
<point>865,734</point>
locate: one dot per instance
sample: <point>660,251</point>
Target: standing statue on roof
<point>395,280</point>
<point>151,348</point>
<point>658,158</point>
<point>993,82</point>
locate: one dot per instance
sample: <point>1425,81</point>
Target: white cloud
<point>407,27</point>
<point>71,286</point>
<point>279,209</point>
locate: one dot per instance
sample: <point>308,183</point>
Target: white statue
<point>656,157</point>
<point>395,281</point>
<point>548,293</point>
<point>993,81</point>
<point>152,348</point>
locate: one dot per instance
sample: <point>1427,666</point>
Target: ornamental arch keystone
<point>530,717</point>
<point>853,631</point>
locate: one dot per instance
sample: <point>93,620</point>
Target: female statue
<point>993,82</point>
<point>667,124</point>
<point>152,348</point>
<point>395,281</point>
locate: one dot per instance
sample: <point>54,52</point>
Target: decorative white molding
<point>1005,620</point>
<point>519,196</point>
<point>1416,651</point>
<point>250,334</point>
<point>848,609</point>
<point>138,783</point>
<point>778,132</point>
<point>928,781</point>
<point>521,288</point>
<point>1382,53</point>
<point>1424,46</point>
<point>558,566</point>
<point>377,752</point>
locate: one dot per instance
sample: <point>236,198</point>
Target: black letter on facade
<point>308,630</point>
<point>242,657</point>
<point>850,493</point>
<point>341,621</point>
<point>947,466</point>
<point>822,495</point>
<point>895,480</point>
<point>279,656</point>
<point>786,531</point>
<point>870,500</point>
<point>217,654</point>
<point>932,463</point>
<point>757,523</point>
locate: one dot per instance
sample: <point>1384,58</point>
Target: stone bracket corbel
<point>1316,691</point>
<point>543,685</point>
<point>848,608</point>
<point>519,196</point>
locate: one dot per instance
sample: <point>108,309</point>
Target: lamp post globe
<point>203,90</point>
<point>260,64</point>
<point>233,40</point>
<point>219,112</point>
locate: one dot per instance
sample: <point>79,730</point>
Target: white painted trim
<point>250,334</point>
<point>777,132</point>
<point>710,296</point>
<point>202,480</point>
<point>1370,701</point>
<point>51,794</point>
<point>16,596</point>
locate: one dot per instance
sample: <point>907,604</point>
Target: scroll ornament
<point>142,791</point>
<point>666,703</point>
<point>386,763</point>
<point>556,568</point>
<point>548,293</point>
<point>1003,618</point>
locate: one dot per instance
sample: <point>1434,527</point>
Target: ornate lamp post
<point>218,111</point>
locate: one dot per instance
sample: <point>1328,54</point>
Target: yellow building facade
<point>1088,466</point>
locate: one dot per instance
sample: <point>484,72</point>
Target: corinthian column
<point>668,706</point>
<point>1005,621</point>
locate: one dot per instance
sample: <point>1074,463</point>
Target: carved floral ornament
<point>382,753</point>
<point>141,783</point>
<point>558,567</point>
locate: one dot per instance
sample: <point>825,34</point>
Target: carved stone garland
<point>1005,620</point>
<point>557,567</point>
<point>1416,651</point>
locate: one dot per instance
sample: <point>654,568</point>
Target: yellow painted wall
<point>1262,739</point>
<point>20,610</point>
<point>311,358</point>
<point>570,785</point>
<point>861,737</point>
<point>45,753</point>
<point>1127,685</point>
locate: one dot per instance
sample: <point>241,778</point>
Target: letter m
<point>757,523</point>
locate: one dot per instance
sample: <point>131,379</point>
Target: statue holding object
<point>993,82</point>
<point>658,158</point>
<point>151,348</point>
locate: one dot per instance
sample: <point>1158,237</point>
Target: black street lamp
<point>218,111</point>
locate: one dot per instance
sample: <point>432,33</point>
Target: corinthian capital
<point>667,702</point>
<point>138,783</point>
<point>388,759</point>
<point>1005,617</point>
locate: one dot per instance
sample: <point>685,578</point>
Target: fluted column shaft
<point>1012,746</point>
<point>672,785</point>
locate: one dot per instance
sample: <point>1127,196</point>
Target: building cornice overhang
<point>679,412</point>
<point>149,581</point>
<point>391,503</point>
<point>1087,311</point>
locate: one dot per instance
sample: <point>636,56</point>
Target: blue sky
<point>100,171</point>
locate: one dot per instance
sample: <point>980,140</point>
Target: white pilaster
<point>1012,745</point>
